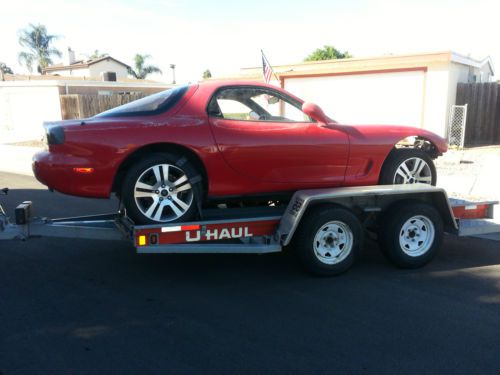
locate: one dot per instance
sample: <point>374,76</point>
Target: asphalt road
<point>79,307</point>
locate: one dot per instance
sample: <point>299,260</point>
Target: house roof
<point>364,64</point>
<point>73,80</point>
<point>82,64</point>
<point>466,60</point>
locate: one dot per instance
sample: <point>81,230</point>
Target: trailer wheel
<point>327,240</point>
<point>411,234</point>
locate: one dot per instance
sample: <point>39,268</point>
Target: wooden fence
<point>483,112</point>
<point>84,106</point>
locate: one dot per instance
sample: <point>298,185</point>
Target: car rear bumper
<point>57,171</point>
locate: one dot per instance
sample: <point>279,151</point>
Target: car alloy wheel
<point>163,193</point>
<point>413,170</point>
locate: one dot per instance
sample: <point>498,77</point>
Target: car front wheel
<point>159,189</point>
<point>408,166</point>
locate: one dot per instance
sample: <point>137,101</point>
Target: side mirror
<point>315,112</point>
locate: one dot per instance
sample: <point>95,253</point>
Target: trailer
<point>325,227</point>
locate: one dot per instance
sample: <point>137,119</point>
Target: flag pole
<point>270,66</point>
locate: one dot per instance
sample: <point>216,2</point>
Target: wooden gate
<point>483,112</point>
<point>84,106</point>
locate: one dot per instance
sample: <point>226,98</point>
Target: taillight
<point>55,135</point>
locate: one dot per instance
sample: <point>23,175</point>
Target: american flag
<point>266,69</point>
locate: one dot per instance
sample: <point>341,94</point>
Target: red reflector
<point>83,170</point>
<point>190,227</point>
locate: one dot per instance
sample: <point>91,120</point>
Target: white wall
<point>108,66</point>
<point>24,106</point>
<point>72,72</point>
<point>437,94</point>
<point>394,98</point>
<point>457,73</point>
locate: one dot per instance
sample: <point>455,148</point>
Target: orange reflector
<point>83,170</point>
<point>190,227</point>
<point>142,240</point>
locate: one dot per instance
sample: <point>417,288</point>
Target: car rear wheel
<point>408,166</point>
<point>159,189</point>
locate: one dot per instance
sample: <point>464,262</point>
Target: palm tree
<point>38,44</point>
<point>141,70</point>
<point>207,74</point>
<point>5,69</point>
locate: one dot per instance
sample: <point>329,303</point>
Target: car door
<point>263,134</point>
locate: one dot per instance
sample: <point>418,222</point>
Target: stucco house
<point>414,90</point>
<point>87,68</point>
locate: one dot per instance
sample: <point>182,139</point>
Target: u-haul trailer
<point>326,227</point>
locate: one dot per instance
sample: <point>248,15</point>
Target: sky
<point>224,36</point>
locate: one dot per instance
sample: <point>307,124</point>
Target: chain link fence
<point>456,128</point>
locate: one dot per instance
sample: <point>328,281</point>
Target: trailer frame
<point>264,229</point>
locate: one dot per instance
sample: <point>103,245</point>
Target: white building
<point>414,90</point>
<point>88,68</point>
<point>27,101</point>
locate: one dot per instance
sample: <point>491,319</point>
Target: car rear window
<point>150,105</point>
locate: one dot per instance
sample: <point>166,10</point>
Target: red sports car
<point>170,153</point>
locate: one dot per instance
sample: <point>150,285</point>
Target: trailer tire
<point>411,234</point>
<point>328,240</point>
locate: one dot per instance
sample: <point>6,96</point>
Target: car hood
<point>390,135</point>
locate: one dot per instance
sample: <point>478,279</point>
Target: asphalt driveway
<point>79,307</point>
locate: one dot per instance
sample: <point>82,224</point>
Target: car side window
<point>255,104</point>
<point>233,109</point>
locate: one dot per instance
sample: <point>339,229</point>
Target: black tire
<point>346,234</point>
<point>165,192</point>
<point>397,157</point>
<point>411,234</point>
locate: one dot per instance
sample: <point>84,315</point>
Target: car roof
<point>213,85</point>
<point>221,83</point>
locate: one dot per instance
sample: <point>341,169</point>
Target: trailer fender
<point>376,199</point>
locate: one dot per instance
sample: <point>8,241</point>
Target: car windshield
<point>150,105</point>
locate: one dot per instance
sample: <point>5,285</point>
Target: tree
<point>141,70</point>
<point>5,69</point>
<point>327,53</point>
<point>97,55</point>
<point>38,45</point>
<point>207,74</point>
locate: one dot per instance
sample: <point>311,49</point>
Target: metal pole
<point>172,66</point>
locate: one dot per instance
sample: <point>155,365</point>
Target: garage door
<point>394,98</point>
